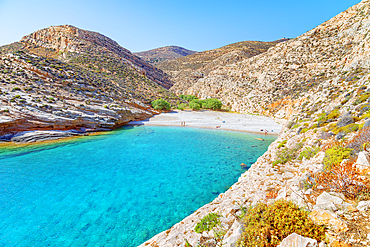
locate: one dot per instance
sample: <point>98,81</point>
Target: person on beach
<point>266,131</point>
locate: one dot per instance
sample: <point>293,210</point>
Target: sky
<point>198,25</point>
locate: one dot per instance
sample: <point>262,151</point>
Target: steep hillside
<point>63,77</point>
<point>318,85</point>
<point>162,54</point>
<point>187,70</point>
<point>324,64</point>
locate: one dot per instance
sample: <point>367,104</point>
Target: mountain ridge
<point>161,54</point>
<point>185,71</point>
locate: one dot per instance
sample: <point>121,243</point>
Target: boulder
<point>363,206</point>
<point>363,160</point>
<point>295,240</point>
<point>232,236</point>
<point>328,218</point>
<point>328,202</point>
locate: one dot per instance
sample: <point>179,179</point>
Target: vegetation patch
<point>308,153</point>
<point>282,144</point>
<point>344,178</point>
<point>188,98</point>
<point>336,155</point>
<point>285,155</point>
<point>267,225</point>
<point>161,104</point>
<point>208,222</point>
<point>346,129</point>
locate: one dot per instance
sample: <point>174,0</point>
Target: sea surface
<point>116,189</point>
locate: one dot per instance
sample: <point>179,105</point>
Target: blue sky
<point>198,25</point>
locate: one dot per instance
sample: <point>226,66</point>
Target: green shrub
<point>335,155</point>
<point>308,152</point>
<point>208,222</point>
<point>198,101</point>
<point>188,98</point>
<point>161,104</point>
<point>282,144</point>
<point>194,105</point>
<point>304,130</point>
<point>334,114</point>
<point>182,106</point>
<point>214,104</point>
<point>346,129</point>
<point>267,225</point>
<point>285,155</point>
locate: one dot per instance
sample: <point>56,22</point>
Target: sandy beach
<point>214,120</point>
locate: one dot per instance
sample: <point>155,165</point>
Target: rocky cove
<point>317,86</point>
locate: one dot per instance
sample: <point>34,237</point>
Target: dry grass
<point>343,178</point>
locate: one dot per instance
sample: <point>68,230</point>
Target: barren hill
<point>162,54</point>
<point>65,77</point>
<point>187,70</point>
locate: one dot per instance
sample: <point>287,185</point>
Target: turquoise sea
<point>116,189</point>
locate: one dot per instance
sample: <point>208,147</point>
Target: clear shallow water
<point>118,189</point>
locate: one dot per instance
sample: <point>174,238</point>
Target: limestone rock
<point>325,217</point>
<point>328,202</point>
<point>363,206</point>
<point>295,240</point>
<point>362,161</point>
<point>232,235</point>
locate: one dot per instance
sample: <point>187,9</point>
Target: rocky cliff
<point>66,78</point>
<point>319,83</point>
<point>188,70</point>
<point>162,54</point>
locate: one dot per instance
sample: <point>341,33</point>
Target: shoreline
<point>204,119</point>
<point>214,120</point>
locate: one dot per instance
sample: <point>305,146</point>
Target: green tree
<point>194,105</point>
<point>161,104</point>
<point>211,103</point>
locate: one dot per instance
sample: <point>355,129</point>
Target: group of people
<point>266,131</point>
<point>182,124</point>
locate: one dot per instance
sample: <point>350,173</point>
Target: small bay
<point>116,189</point>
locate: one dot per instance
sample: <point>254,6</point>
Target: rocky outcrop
<point>63,78</point>
<point>68,38</point>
